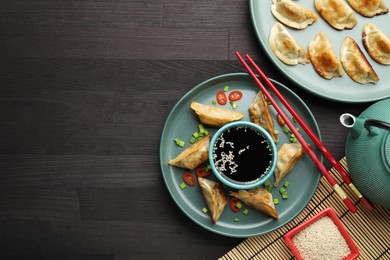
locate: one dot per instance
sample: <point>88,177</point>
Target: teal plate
<point>182,122</point>
<point>342,89</point>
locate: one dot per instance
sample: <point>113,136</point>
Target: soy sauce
<point>242,155</point>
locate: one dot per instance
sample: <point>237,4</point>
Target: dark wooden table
<point>85,89</point>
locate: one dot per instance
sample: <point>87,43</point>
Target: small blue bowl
<point>247,184</point>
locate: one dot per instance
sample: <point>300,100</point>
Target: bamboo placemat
<point>369,230</point>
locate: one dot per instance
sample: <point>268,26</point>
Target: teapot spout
<point>355,125</point>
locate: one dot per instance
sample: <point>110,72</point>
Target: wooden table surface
<point>85,89</point>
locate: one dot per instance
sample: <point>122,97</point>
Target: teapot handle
<point>377,123</point>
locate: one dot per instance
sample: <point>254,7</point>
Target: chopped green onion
<point>226,88</point>
<point>276,132</point>
<point>245,212</point>
<point>195,134</point>
<point>285,196</point>
<point>201,129</point>
<point>269,188</point>
<point>294,120</point>
<point>286,130</point>
<point>183,185</point>
<point>214,102</point>
<point>293,139</point>
<point>282,190</point>
<point>233,104</point>
<point>276,201</point>
<point>204,210</point>
<point>297,128</point>
<point>267,183</point>
<point>236,219</point>
<point>192,140</point>
<point>179,142</point>
<point>286,183</point>
<point>239,204</point>
<point>206,132</point>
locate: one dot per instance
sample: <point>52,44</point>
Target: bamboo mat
<point>369,230</point>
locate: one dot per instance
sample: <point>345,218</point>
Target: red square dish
<point>322,237</point>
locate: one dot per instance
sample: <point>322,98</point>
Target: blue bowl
<point>243,185</point>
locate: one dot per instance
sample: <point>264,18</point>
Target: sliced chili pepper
<point>280,120</point>
<point>235,95</point>
<point>233,204</point>
<point>221,97</point>
<point>201,172</point>
<point>189,179</point>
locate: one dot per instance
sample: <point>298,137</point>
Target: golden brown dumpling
<point>324,58</point>
<point>214,196</point>
<point>284,46</point>
<point>260,115</point>
<point>376,43</point>
<point>215,116</point>
<point>369,8</point>
<point>288,155</point>
<point>292,14</point>
<point>355,63</point>
<point>337,13</point>
<point>259,199</point>
<point>194,155</point>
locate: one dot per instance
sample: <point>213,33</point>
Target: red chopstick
<point>340,192</point>
<point>369,206</point>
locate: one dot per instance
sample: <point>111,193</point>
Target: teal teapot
<point>367,151</point>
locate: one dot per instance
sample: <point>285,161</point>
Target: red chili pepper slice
<point>189,179</point>
<point>233,204</point>
<point>221,97</point>
<point>280,120</point>
<point>202,173</point>
<point>235,95</point>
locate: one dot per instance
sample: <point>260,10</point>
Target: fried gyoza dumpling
<point>355,63</point>
<point>324,58</point>
<point>369,8</point>
<point>284,46</point>
<point>215,116</point>
<point>260,115</point>
<point>259,199</point>
<point>376,43</point>
<point>292,14</point>
<point>288,155</point>
<point>337,13</point>
<point>194,155</point>
<point>214,196</point>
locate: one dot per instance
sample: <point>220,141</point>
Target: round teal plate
<point>182,122</point>
<point>342,89</point>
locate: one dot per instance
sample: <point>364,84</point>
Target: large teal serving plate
<point>342,89</point>
<point>182,122</point>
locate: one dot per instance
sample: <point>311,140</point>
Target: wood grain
<point>85,89</point>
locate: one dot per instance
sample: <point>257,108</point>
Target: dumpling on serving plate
<point>285,47</point>
<point>369,8</point>
<point>259,199</point>
<point>355,63</point>
<point>214,196</point>
<point>260,115</point>
<point>324,58</point>
<point>215,116</point>
<point>193,156</point>
<point>289,154</point>
<point>337,13</point>
<point>376,43</point>
<point>292,14</point>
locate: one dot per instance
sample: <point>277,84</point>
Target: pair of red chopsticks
<point>340,192</point>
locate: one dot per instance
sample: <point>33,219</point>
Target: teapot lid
<point>387,152</point>
<point>380,110</point>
